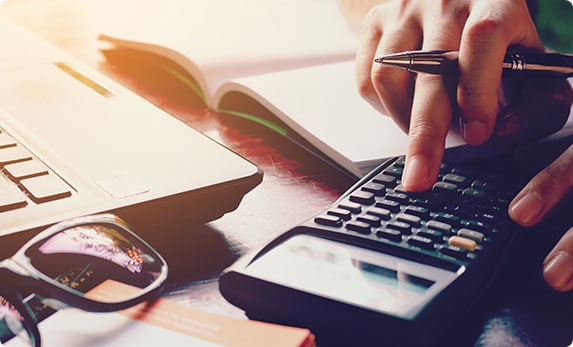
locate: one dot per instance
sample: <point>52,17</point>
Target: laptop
<point>74,142</point>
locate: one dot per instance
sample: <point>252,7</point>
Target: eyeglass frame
<point>56,295</point>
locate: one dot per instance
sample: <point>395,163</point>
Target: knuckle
<point>374,15</point>
<point>488,27</point>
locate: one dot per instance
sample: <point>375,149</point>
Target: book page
<point>218,40</point>
<point>323,105</point>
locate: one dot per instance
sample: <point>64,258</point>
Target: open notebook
<point>73,142</point>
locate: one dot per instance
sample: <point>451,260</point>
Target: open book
<point>292,60</point>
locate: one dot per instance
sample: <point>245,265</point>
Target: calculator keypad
<point>454,221</point>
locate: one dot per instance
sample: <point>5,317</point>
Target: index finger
<point>433,104</point>
<point>429,125</point>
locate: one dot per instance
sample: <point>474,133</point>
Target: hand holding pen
<point>489,108</point>
<point>444,62</point>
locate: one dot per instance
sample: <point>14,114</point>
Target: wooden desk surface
<point>295,187</point>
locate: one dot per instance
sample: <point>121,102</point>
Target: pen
<point>444,62</point>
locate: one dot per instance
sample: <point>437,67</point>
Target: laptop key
<point>45,188</point>
<point>10,196</point>
<point>25,169</point>
<point>6,141</point>
<point>14,154</point>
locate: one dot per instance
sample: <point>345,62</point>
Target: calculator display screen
<point>353,275</point>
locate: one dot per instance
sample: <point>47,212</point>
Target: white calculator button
<point>462,242</point>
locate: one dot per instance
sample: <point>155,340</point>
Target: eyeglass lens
<point>99,252</point>
<point>83,257</point>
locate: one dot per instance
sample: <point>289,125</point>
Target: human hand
<point>535,200</point>
<point>424,105</point>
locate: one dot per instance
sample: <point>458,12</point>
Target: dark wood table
<point>296,186</point>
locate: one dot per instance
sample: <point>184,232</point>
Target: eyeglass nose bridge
<point>16,268</point>
<point>21,277</point>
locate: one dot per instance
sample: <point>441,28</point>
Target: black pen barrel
<point>442,62</point>
<point>545,63</point>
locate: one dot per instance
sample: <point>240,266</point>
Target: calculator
<point>383,264</point>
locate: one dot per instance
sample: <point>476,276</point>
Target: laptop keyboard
<point>25,179</point>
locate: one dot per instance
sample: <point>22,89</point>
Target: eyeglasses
<point>61,265</point>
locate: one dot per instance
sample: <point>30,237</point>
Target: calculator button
<point>329,220</point>
<point>445,187</point>
<point>398,197</point>
<point>394,171</point>
<point>448,218</point>
<point>389,234</point>
<point>414,221</point>
<point>388,181</point>
<point>455,179</point>
<point>390,205</point>
<point>400,162</point>
<point>402,227</point>
<point>422,242</point>
<point>455,252</point>
<point>377,189</point>
<point>473,193</point>
<point>359,227</point>
<point>371,219</point>
<point>350,206</point>
<point>421,202</point>
<point>418,211</point>
<point>436,236</point>
<point>362,197</point>
<point>382,213</point>
<point>439,226</point>
<point>462,242</point>
<point>341,213</point>
<point>471,234</point>
<point>400,189</point>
